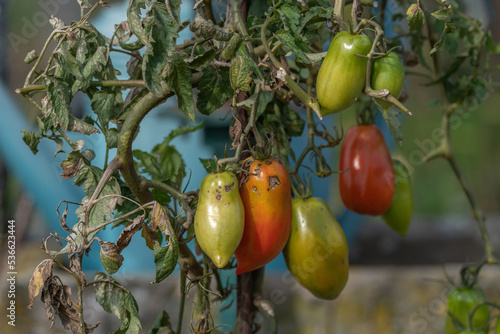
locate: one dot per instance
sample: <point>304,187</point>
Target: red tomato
<point>366,181</point>
<point>267,197</point>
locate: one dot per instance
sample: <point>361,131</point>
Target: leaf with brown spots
<point>42,272</point>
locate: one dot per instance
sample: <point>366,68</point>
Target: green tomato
<point>497,326</point>
<point>342,76</point>
<point>462,301</point>
<point>316,252</point>
<point>220,217</point>
<point>398,216</point>
<point>388,73</point>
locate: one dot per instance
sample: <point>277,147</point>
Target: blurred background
<point>397,284</point>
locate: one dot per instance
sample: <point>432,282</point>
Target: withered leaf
<point>57,299</point>
<point>42,272</point>
<point>235,131</point>
<point>110,256</point>
<point>127,233</point>
<point>159,219</point>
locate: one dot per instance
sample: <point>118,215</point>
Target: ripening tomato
<point>388,73</point>
<point>316,252</point>
<point>398,217</point>
<point>220,217</point>
<point>366,178</point>
<point>267,197</point>
<point>342,75</point>
<point>462,300</point>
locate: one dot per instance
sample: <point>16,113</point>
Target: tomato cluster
<point>254,216</point>
<point>249,217</point>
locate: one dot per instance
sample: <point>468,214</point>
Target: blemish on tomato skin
<point>219,197</point>
<point>228,188</point>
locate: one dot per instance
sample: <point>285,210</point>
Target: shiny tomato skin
<point>398,217</point>
<point>220,217</point>
<point>342,75</point>
<point>366,178</point>
<point>316,252</point>
<point>388,73</point>
<point>462,300</point>
<point>267,197</point>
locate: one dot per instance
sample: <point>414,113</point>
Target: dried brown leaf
<point>128,232</point>
<point>57,299</point>
<point>42,272</point>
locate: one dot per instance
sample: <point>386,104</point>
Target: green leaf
<point>161,197</point>
<point>443,14</point>
<point>32,139</point>
<point>179,80</point>
<point>290,16</point>
<point>57,104</point>
<point>209,164</point>
<point>447,29</point>
<point>240,74</point>
<point>110,256</point>
<point>207,29</point>
<point>214,89</point>
<point>161,42</point>
<point>134,19</point>
<point>294,45</point>
<point>89,176</point>
<point>78,125</point>
<point>390,117</point>
<point>250,61</point>
<point>176,133</point>
<point>201,61</point>
<point>415,17</point>
<point>228,51</point>
<point>165,259</point>
<point>293,123</point>
<point>115,299</point>
<point>147,164</point>
<point>162,324</point>
<point>107,105</point>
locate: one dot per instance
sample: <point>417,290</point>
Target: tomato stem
<point>289,82</point>
<point>444,149</point>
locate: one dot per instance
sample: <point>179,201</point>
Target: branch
<point>289,82</point>
<point>101,83</point>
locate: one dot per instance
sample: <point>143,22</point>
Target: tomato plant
<point>267,198</point>
<point>366,179</point>
<point>316,252</point>
<point>220,217</point>
<point>342,75</point>
<point>399,214</point>
<point>262,63</point>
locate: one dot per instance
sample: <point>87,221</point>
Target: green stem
<point>354,8</point>
<point>182,302</point>
<point>99,83</point>
<point>383,94</point>
<point>249,127</point>
<point>444,149</point>
<point>289,82</point>
<point>39,59</point>
<point>338,10</point>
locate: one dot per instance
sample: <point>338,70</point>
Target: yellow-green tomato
<point>342,76</point>
<point>220,217</point>
<point>466,303</point>
<point>388,73</point>
<point>316,252</point>
<point>398,216</point>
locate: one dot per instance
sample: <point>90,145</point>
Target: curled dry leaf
<point>57,299</point>
<point>37,281</point>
